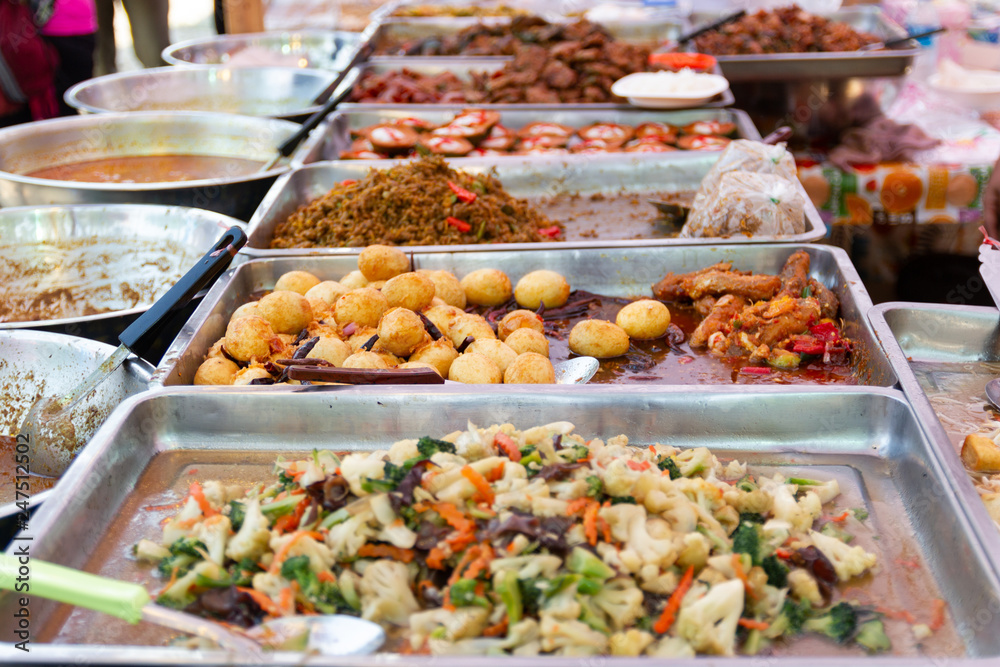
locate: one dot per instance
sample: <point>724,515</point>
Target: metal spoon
<point>993,392</point>
<point>332,635</point>
<point>578,370</point>
<point>47,427</point>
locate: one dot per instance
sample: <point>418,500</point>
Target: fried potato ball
<point>328,290</point>
<point>296,281</point>
<point>474,368</point>
<point>216,370</point>
<point>519,319</point>
<point>644,319</point>
<point>486,287</point>
<point>354,280</point>
<point>361,336</point>
<point>448,288</point>
<point>364,307</point>
<point>530,368</point>
<point>409,290</point>
<point>437,353</point>
<point>286,312</point>
<point>331,349</point>
<point>246,310</point>
<point>382,262</point>
<point>216,349</point>
<point>377,284</point>
<point>249,338</point>
<point>248,375</point>
<point>400,331</point>
<point>598,338</point>
<point>501,354</point>
<point>528,340</point>
<point>443,316</point>
<point>539,287</point>
<point>418,364</point>
<point>469,324</point>
<point>365,360</point>
<point>320,308</point>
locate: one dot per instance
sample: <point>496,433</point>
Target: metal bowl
<point>32,146</point>
<point>33,363</point>
<point>319,49</point>
<point>274,92</point>
<point>125,227</point>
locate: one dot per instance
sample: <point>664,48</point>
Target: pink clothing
<point>72,17</point>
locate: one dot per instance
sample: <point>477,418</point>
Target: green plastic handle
<point>55,582</point>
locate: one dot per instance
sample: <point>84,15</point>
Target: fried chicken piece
<point>671,288</point>
<point>754,288</point>
<point>793,319</point>
<point>794,274</point>
<point>721,315</point>
<point>704,305</point>
<point>829,304</point>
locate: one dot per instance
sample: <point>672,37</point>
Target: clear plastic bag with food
<point>748,203</point>
<point>743,155</point>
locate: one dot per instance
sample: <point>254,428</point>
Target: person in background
<point>150,32</point>
<point>28,64</point>
<point>72,31</point>
<point>991,202</point>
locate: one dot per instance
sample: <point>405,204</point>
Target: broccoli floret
<point>285,479</point>
<point>325,595</point>
<point>861,514</point>
<point>777,573</point>
<point>576,452</point>
<point>184,553</point>
<point>790,620</point>
<point>428,447</point>
<point>618,500</point>
<point>838,623</point>
<point>747,540</point>
<point>871,635</point>
<point>392,476</point>
<point>532,595</point>
<point>831,529</point>
<point>584,562</point>
<point>463,594</point>
<point>595,487</point>
<point>747,484</point>
<point>242,573</point>
<point>752,517</point>
<point>237,513</point>
<point>667,463</point>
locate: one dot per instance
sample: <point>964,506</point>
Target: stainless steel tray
<point>538,177</point>
<point>319,49</point>
<point>462,67</point>
<point>334,135</point>
<point>156,444</point>
<point>943,342</point>
<point>611,272</point>
<point>385,12</point>
<point>833,65</point>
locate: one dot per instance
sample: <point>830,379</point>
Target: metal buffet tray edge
<point>880,448</point>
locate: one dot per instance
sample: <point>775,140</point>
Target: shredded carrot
<point>913,564</point>
<point>287,600</point>
<point>751,624</point>
<point>280,557</point>
<point>584,459</point>
<point>604,528</point>
<point>298,474</point>
<point>369,550</point>
<point>937,614</point>
<point>495,474</point>
<point>783,553</point>
<point>506,443</point>
<point>742,576</point>
<point>193,471</point>
<point>470,555</point>
<point>481,563</point>
<point>262,600</point>
<point>160,508</point>
<point>435,558</point>
<point>841,517</point>
<point>173,578</point>
<point>327,576</point>
<point>636,465</point>
<point>498,630</point>
<point>196,492</point>
<point>425,481</point>
<point>577,505</point>
<point>511,546</point>
<point>590,523</point>
<point>901,614</point>
<point>666,618</point>
<point>291,521</point>
<point>459,541</point>
<point>483,489</point>
<point>455,519</point>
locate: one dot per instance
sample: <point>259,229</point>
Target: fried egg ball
<point>354,280</point>
<point>539,287</point>
<point>382,262</point>
<point>530,368</point>
<point>469,324</point>
<point>528,340</point>
<point>364,307</point>
<point>486,287</point>
<point>320,308</point>
<point>418,364</point>
<point>328,290</point>
<point>286,312</point>
<point>501,354</point>
<point>331,349</point>
<point>472,368</point>
<point>400,331</point>
<point>448,288</point>
<point>644,319</point>
<point>598,338</point>
<point>299,282</point>
<point>216,370</point>
<point>409,290</point>
<point>360,336</point>
<point>216,349</point>
<point>246,310</point>
<point>443,316</point>
<point>248,375</point>
<point>438,353</point>
<point>249,338</point>
<point>519,319</point>
<point>363,359</point>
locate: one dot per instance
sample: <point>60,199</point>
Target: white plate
<point>666,90</point>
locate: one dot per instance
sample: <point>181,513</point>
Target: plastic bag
<point>743,155</point>
<point>748,203</point>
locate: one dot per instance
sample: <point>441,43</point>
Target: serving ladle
<point>333,635</point>
<point>993,392</point>
<point>47,428</point>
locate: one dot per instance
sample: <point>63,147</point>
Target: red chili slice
<point>756,370</point>
<point>460,225</point>
<point>804,347</point>
<point>463,195</point>
<point>551,232</point>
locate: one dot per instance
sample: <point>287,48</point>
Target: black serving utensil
<point>718,23</point>
<point>888,44</point>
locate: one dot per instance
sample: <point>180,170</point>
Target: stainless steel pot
<point>319,49</point>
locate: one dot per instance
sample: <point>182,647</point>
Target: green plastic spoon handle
<point>55,582</point>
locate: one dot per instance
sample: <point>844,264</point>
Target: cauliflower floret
<point>826,491</point>
<point>652,580</point>
<point>182,524</point>
<point>385,593</point>
<point>694,550</point>
<point>804,587</point>
<point>474,445</point>
<point>798,514</point>
<point>530,566</point>
<point>270,584</point>
<point>356,467</point>
<point>522,497</point>
<point>346,538</point>
<point>477,646</point>
<point>403,450</point>
<point>178,592</point>
<point>695,461</point>
<point>523,632</point>
<point>150,551</point>
<point>567,490</point>
<point>709,622</point>
<point>570,637</point>
<point>630,525</point>
<point>512,474</point>
<point>563,605</point>
<point>214,533</point>
<point>673,506</point>
<point>251,539</point>
<point>313,473</point>
<point>848,561</point>
<point>394,531</point>
<point>621,601</point>
<point>218,494</point>
<point>671,647</point>
<point>630,643</point>
<point>320,557</point>
<point>756,501</point>
<point>548,506</point>
<point>619,478</point>
<point>460,623</point>
<point>538,433</point>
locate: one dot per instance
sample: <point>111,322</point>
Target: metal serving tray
<point>869,440</point>
<point>944,343</point>
<point>610,272</point>
<point>462,67</point>
<point>538,177</point>
<point>319,49</point>
<point>385,12</point>
<point>334,135</point>
<point>833,65</point>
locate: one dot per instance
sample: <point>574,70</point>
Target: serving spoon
<point>47,428</point>
<point>333,635</point>
<point>993,392</point>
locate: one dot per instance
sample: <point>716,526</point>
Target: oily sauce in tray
<point>9,471</point>
<point>150,169</point>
